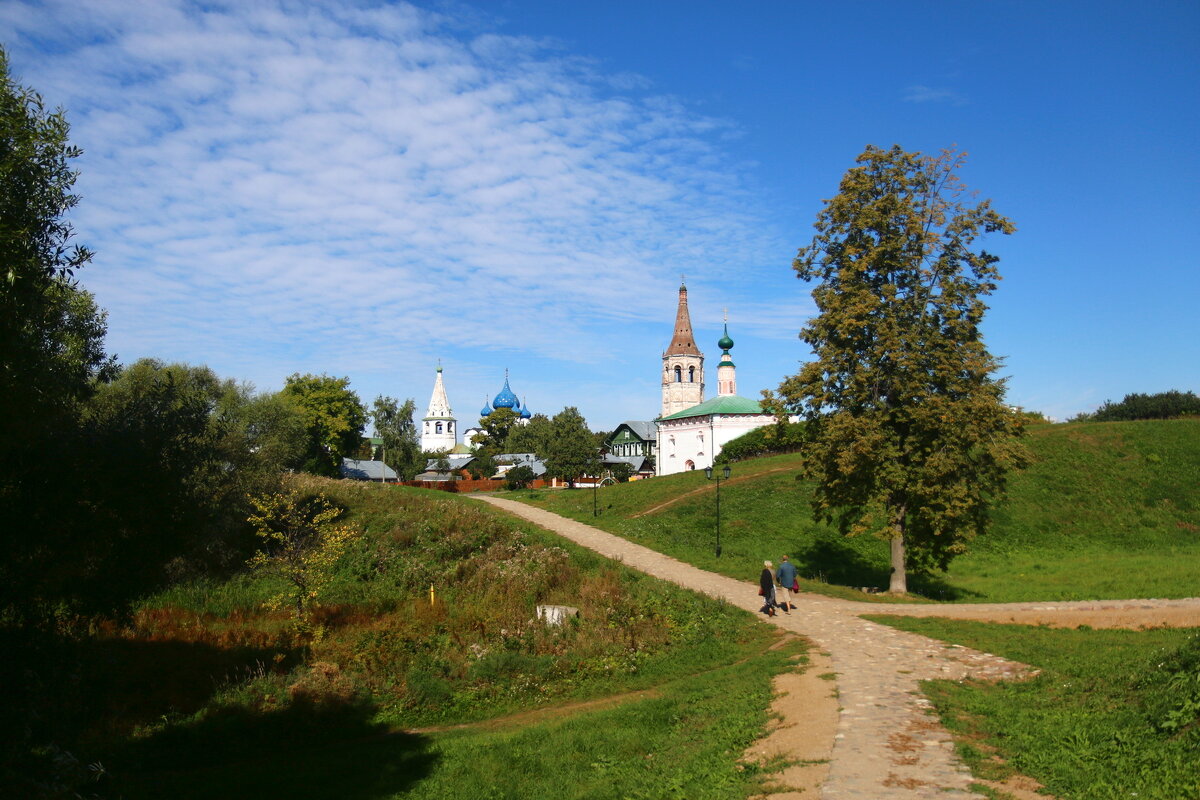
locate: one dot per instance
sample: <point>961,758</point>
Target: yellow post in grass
<point>431,595</point>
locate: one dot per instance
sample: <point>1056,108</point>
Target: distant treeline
<point>1164,405</point>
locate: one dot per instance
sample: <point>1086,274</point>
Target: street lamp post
<point>708,473</point>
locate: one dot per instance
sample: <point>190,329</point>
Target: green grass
<point>684,741</point>
<point>207,692</point>
<point>1106,510</point>
<point>1114,714</point>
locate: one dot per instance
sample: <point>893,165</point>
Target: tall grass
<point>202,674</point>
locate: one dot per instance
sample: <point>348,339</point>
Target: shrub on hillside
<point>782,437</point>
<point>1172,687</point>
<point>1164,405</point>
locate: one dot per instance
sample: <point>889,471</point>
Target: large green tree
<point>334,417</point>
<point>37,260</point>
<point>51,338</point>
<point>572,450</point>
<point>908,436</point>
<point>534,436</point>
<point>496,427</point>
<point>401,444</point>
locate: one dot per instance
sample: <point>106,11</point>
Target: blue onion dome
<point>525,412</point>
<point>506,398</point>
<point>725,342</point>
<point>486,408</point>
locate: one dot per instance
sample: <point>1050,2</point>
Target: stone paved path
<point>888,744</point>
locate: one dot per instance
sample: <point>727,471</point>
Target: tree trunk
<point>899,582</point>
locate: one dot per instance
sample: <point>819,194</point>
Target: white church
<point>691,430</point>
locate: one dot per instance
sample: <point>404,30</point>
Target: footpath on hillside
<point>887,743</point>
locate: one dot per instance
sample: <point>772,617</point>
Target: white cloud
<point>298,184</point>
<point>929,94</point>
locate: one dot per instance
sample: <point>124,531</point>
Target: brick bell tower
<point>683,364</point>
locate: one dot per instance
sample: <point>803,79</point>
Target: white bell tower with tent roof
<point>438,426</point>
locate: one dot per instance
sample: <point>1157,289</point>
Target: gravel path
<point>888,743</point>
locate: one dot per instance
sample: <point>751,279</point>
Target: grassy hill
<point>1105,510</point>
<point>205,693</point>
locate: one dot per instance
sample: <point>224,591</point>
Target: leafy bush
<point>782,437</point>
<point>299,544</point>
<point>519,477</point>
<point>1172,688</point>
<point>1164,405</point>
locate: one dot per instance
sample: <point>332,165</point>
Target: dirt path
<point>887,742</point>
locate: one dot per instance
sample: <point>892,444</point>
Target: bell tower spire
<point>683,363</point>
<point>438,430</point>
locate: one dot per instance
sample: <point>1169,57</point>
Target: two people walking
<point>786,577</point>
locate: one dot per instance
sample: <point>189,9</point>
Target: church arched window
<point>679,374</point>
<point>449,427</point>
<point>691,374</point>
<point>437,428</point>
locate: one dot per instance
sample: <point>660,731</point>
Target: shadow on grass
<point>87,695</point>
<point>835,561</point>
<point>306,750</point>
<point>134,682</point>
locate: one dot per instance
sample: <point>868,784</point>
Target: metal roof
<point>362,470</point>
<point>637,462</point>
<point>728,404</point>
<point>646,430</point>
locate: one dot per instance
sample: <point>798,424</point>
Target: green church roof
<point>730,404</point>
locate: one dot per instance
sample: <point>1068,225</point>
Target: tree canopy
<point>532,437</point>
<point>333,416</point>
<point>907,435</point>
<point>496,427</point>
<point>401,445</point>
<point>572,449</point>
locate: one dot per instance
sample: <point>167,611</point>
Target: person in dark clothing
<point>766,587</point>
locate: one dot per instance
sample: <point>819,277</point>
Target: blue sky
<point>364,189</point>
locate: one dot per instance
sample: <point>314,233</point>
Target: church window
<point>449,427</point>
<point>691,374</point>
<point>437,428</point>
<point>690,465</point>
<point>679,374</point>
